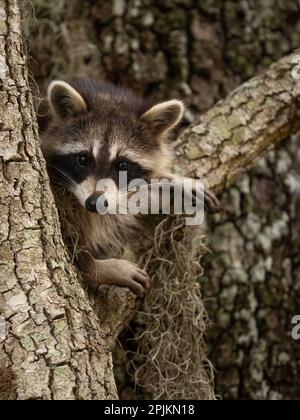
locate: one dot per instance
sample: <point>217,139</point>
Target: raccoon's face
<point>97,131</point>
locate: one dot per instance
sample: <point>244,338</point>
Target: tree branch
<point>239,130</point>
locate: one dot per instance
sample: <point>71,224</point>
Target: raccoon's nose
<point>91,203</point>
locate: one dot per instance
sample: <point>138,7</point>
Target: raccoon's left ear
<point>65,102</point>
<point>164,116</point>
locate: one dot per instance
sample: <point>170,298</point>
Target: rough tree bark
<point>237,131</point>
<point>153,42</point>
<point>53,347</point>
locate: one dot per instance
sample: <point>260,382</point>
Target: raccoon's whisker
<point>146,188</point>
<point>66,180</point>
<point>132,185</point>
<point>158,183</point>
<point>150,185</point>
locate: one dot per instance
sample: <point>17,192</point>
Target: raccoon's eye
<point>82,161</point>
<point>123,166</point>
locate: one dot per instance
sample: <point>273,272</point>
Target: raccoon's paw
<point>127,274</point>
<point>135,278</point>
<point>211,203</point>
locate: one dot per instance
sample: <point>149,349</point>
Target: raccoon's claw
<point>137,280</point>
<point>211,202</point>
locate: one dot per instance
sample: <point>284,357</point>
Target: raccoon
<point>93,130</point>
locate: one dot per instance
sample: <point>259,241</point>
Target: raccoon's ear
<point>65,102</point>
<point>164,116</point>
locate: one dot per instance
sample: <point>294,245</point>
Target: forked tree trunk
<point>53,346</point>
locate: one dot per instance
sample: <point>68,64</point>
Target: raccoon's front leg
<point>123,273</point>
<point>114,272</point>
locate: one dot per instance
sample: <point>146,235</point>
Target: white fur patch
<point>114,150</point>
<point>96,148</point>
<point>69,148</point>
<point>84,190</point>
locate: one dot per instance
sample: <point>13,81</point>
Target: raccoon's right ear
<point>163,117</point>
<point>64,101</point>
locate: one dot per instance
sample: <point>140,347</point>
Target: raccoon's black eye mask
<point>80,166</point>
<point>76,166</point>
<point>133,169</point>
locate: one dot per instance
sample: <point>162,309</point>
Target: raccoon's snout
<point>98,202</point>
<point>91,203</point>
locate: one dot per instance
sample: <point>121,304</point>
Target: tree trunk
<point>200,51</point>
<point>52,346</point>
